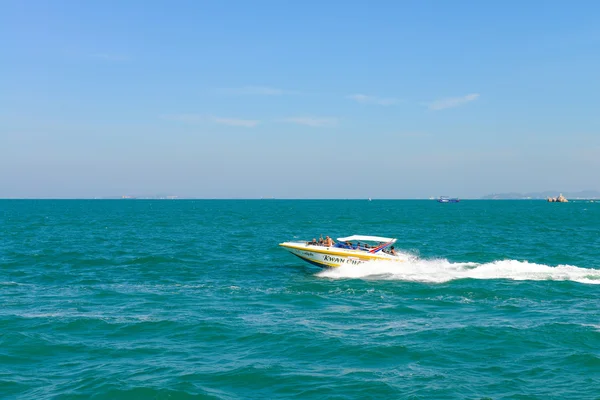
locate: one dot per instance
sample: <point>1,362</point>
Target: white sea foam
<point>441,270</point>
<point>11,283</point>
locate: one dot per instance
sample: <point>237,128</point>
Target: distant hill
<point>584,194</point>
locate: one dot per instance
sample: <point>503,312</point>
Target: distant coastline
<point>581,195</point>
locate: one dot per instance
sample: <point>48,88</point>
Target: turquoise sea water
<point>194,299</point>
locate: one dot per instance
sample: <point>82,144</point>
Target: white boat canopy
<point>366,238</point>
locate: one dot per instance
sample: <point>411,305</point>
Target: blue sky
<point>305,99</point>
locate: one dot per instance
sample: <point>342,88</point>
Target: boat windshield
<point>366,244</point>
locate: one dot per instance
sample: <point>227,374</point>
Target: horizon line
<point>275,198</point>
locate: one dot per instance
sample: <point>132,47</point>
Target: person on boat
<point>329,242</point>
<point>393,252</point>
<point>321,241</point>
<point>314,242</point>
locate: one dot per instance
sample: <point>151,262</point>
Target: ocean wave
<point>11,283</point>
<point>441,270</point>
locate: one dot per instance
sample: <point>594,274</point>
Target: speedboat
<point>446,199</point>
<point>351,250</point>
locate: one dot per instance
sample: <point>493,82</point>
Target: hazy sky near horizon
<point>305,99</point>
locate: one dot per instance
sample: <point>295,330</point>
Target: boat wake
<point>442,270</point>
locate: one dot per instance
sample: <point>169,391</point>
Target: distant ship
<point>559,199</point>
<point>446,199</point>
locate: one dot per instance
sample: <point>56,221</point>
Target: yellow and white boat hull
<point>333,257</point>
